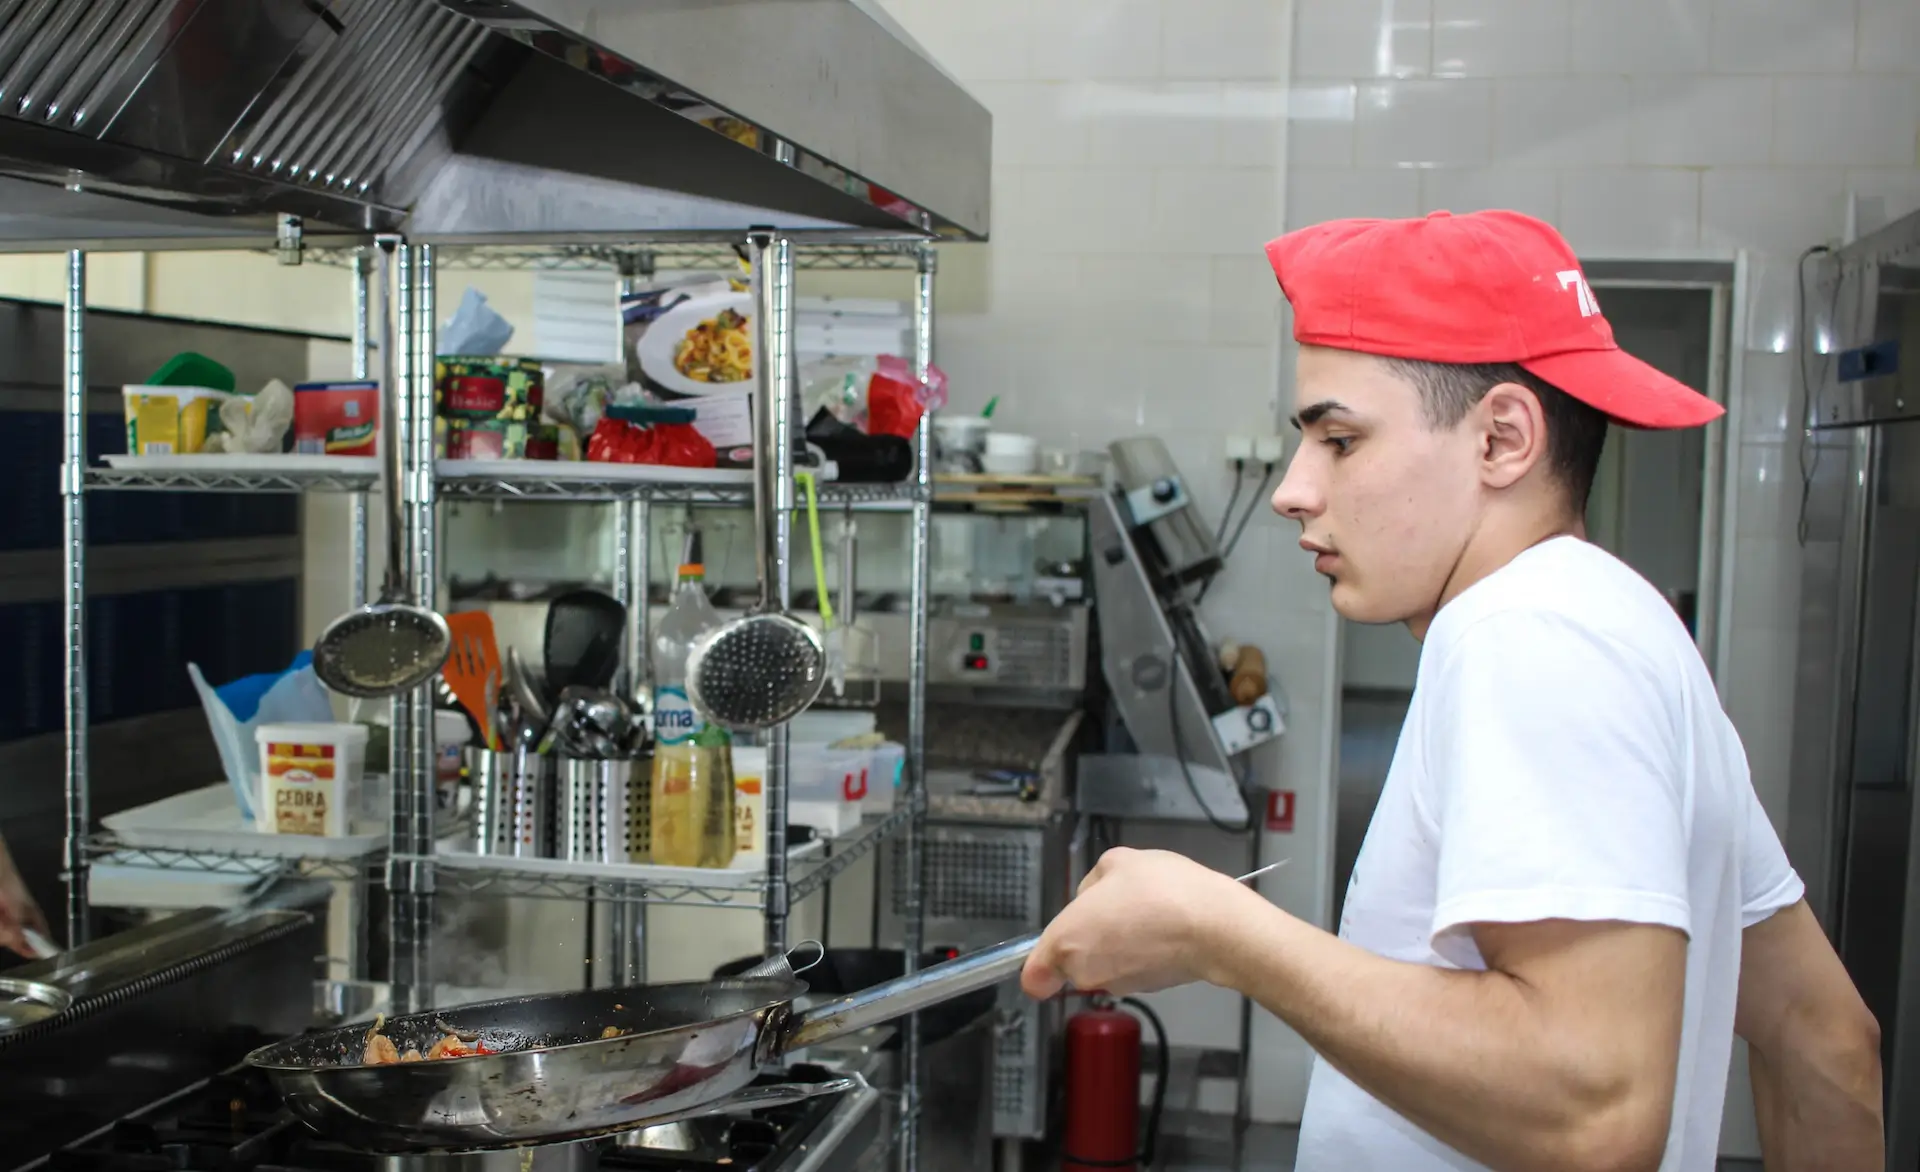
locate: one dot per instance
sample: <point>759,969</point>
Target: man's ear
<point>1513,434</point>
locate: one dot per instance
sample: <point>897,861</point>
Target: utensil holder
<point>512,803</point>
<point>608,815</point>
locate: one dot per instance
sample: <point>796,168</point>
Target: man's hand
<point>18,912</point>
<point>1134,927</point>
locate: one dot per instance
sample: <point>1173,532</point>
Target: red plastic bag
<point>615,441</point>
<point>896,398</point>
<point>893,407</point>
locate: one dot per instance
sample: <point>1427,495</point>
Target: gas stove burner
<point>234,1122</point>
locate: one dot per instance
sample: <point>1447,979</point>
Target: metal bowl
<point>22,1003</point>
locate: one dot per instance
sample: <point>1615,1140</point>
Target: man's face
<point>1386,503</point>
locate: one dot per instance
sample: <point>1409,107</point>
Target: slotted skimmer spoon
<point>392,645</point>
<point>763,668</point>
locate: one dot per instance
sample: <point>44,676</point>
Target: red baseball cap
<point>1490,287</point>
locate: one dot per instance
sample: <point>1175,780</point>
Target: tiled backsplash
<point>1644,128</point>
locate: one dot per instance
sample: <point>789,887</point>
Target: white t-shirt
<point>1565,756</point>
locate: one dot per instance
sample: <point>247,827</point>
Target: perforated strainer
<point>391,646</point>
<point>761,669</point>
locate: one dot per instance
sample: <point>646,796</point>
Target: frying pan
<point>692,1048</point>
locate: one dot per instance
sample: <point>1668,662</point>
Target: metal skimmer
<point>764,668</point>
<point>391,646</point>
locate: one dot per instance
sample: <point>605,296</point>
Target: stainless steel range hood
<point>198,123</point>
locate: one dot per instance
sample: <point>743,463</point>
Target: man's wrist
<point>1220,931</point>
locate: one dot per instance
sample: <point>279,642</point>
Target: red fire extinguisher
<point>1102,1127</point>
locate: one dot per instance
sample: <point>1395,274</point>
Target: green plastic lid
<point>187,369</point>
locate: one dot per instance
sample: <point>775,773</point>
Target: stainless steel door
<point>1851,830</point>
<point>1853,826</point>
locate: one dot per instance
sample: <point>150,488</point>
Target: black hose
<point>1226,514</point>
<point>1180,752</point>
<point>1150,1139</point>
<point>1162,1064</point>
<point>1233,543</point>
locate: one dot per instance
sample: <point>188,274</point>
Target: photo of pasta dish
<point>718,350</point>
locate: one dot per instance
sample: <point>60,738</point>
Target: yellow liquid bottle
<point>692,784</point>
<point>692,798</point>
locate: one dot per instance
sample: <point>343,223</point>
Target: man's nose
<point>1298,497</point>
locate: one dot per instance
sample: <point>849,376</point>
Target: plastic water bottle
<point>692,783</point>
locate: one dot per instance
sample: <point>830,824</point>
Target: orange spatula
<point>474,661</point>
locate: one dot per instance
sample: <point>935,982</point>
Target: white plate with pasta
<point>702,346</point>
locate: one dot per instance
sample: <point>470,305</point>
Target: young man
<point>1569,899</point>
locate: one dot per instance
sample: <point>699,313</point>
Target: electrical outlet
<point>1239,447</point>
<point>1270,449</point>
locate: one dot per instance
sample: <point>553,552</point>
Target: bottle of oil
<point>692,784</point>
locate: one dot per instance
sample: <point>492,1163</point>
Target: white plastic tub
<point>310,777</point>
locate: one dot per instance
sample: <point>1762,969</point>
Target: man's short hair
<point>1576,432</point>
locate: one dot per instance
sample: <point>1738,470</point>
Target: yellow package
<point>171,421</point>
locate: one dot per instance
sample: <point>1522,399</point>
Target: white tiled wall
<point>1134,140</point>
<point>1643,128</point>
<point>1139,150</point>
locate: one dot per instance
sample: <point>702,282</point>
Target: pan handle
<point>908,994</point>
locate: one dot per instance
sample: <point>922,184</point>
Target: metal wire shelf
<point>847,851</point>
<point>557,885</point>
<point>562,880</point>
<point>142,480</point>
<point>665,256</point>
<point>107,848</point>
<point>579,487</point>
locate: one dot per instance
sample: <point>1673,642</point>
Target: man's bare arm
<point>18,912</point>
<point>1814,1050</point>
<point>1560,1056</point>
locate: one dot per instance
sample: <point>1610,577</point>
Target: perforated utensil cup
<point>608,814</point>
<point>512,803</point>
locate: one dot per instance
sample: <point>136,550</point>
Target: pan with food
<point>571,1066</point>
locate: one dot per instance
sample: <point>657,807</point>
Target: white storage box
<point>863,778</point>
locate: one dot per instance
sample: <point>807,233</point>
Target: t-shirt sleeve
<point>1554,780</point>
<point>1768,881</point>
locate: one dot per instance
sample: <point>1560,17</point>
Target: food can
<point>336,419</point>
<point>510,390</point>
<point>494,439</point>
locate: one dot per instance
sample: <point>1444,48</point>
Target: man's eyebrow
<point>1314,413</point>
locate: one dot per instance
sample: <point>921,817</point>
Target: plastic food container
<point>171,421</point>
<point>749,807</point>
<point>309,777</point>
<point>1010,455</point>
<point>854,777</point>
<point>959,441</point>
<point>450,734</point>
<point>336,419</point>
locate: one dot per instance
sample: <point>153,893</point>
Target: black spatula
<point>584,630</point>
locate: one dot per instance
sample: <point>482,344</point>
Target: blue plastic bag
<point>234,710</point>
